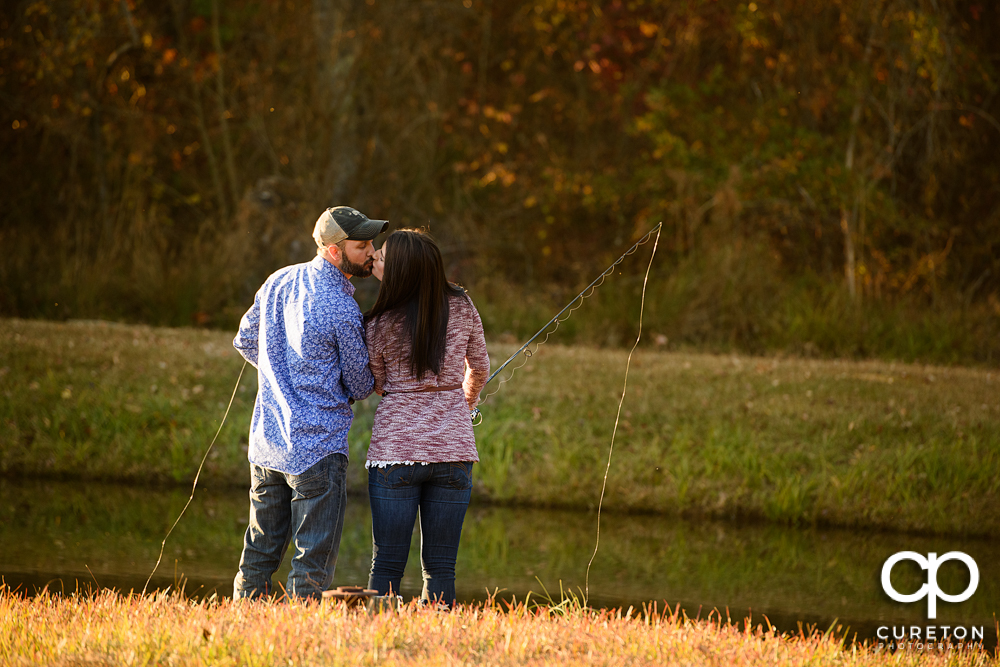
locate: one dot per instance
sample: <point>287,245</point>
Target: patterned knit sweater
<point>413,425</point>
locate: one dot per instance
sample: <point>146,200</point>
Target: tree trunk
<point>213,167</point>
<point>850,268</point>
<point>847,217</point>
<point>336,87</point>
<point>484,51</point>
<point>227,148</point>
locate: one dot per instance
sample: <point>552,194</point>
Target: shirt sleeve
<point>376,356</point>
<point>477,360</point>
<point>246,341</point>
<point>355,374</point>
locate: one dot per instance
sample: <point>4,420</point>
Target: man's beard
<point>356,270</point>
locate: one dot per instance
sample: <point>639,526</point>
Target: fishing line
<point>197,475</point>
<point>628,363</point>
<point>568,310</point>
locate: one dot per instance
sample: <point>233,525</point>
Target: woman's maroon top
<point>416,422</point>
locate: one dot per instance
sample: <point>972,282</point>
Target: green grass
<point>801,441</point>
<point>108,628</point>
<point>868,444</point>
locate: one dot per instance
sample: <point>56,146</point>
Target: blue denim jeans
<point>305,510</point>
<point>440,492</point>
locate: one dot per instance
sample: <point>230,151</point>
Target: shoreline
<point>865,445</point>
<point>484,501</point>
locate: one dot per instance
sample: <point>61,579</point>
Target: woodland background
<point>826,172</point>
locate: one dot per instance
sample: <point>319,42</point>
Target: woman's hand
<point>379,266</point>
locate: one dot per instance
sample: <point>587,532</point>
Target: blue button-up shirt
<point>305,335</point>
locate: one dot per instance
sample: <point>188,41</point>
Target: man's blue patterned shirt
<point>305,335</point>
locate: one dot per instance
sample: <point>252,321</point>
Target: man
<point>305,335</point>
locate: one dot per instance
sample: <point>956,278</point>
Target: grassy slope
<point>867,444</point>
<point>166,629</point>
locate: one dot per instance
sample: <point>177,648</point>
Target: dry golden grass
<point>166,629</point>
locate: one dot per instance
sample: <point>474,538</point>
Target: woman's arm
<point>477,360</point>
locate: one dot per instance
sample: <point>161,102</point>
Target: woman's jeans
<point>441,492</point>
<point>306,510</point>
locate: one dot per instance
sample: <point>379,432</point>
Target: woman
<point>428,356</point>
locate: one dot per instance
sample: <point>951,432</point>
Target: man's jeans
<point>306,510</point>
<point>441,492</point>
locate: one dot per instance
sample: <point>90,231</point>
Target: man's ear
<point>334,251</point>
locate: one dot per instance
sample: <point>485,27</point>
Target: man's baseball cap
<point>343,222</point>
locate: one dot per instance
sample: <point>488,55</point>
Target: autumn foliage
<point>826,172</point>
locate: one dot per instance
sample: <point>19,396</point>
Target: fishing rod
<point>578,301</point>
<point>575,303</point>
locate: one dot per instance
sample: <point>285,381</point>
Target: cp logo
<point>930,590</point>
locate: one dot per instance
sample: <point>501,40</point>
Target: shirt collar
<point>336,275</point>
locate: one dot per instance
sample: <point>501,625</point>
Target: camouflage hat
<point>343,222</point>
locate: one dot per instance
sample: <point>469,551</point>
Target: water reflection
<point>63,533</point>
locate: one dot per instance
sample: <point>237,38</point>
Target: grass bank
<point>860,444</point>
<point>167,629</point>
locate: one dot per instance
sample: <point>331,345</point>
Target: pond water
<point>70,535</point>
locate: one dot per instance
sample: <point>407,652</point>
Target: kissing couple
<point>421,348</point>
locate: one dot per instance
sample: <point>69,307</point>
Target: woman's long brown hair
<point>414,285</point>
